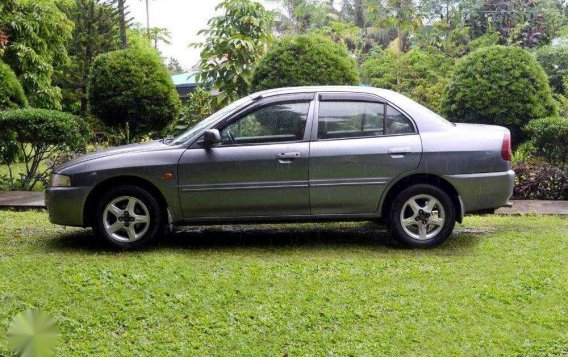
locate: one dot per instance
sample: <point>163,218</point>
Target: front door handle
<point>288,155</point>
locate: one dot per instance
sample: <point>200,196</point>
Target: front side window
<point>273,123</point>
<point>344,119</point>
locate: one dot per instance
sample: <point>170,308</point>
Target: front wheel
<point>128,217</point>
<point>422,216</point>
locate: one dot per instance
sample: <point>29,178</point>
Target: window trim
<point>356,97</point>
<point>284,98</point>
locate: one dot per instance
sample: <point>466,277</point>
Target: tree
<point>417,74</point>
<point>299,16</point>
<point>305,60</point>
<point>554,60</point>
<point>397,14</point>
<point>499,85</point>
<point>133,91</point>
<point>123,22</point>
<point>175,67</point>
<point>154,34</point>
<point>96,31</point>
<point>11,92</point>
<point>234,43</point>
<point>41,135</point>
<point>344,33</point>
<point>198,107</point>
<point>527,23</point>
<point>38,32</point>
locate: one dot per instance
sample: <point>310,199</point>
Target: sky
<point>183,18</point>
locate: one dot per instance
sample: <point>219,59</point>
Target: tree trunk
<point>123,40</point>
<point>127,132</point>
<point>148,18</point>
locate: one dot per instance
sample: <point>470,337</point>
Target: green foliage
<point>417,74</point>
<point>38,32</point>
<point>11,92</point>
<point>554,60</point>
<point>294,17</point>
<point>41,135</point>
<point>525,23</point>
<point>132,90</point>
<point>444,38</point>
<point>175,67</point>
<point>305,60</point>
<point>95,32</point>
<point>344,33</point>
<point>234,42</point>
<point>198,107</point>
<point>499,85</point>
<point>550,138</point>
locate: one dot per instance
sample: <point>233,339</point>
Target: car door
<point>359,144</point>
<point>260,168</point>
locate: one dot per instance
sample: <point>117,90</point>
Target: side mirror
<point>211,137</point>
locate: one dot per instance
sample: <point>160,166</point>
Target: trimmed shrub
<point>554,61</point>
<point>42,135</point>
<point>198,107</point>
<point>550,138</point>
<point>540,182</point>
<point>132,90</point>
<point>499,85</point>
<point>417,74</point>
<point>305,60</point>
<point>11,92</point>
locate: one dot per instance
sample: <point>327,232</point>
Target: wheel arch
<point>413,179</point>
<point>105,185</point>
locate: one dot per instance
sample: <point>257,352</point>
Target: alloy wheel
<point>126,219</point>
<point>422,217</point>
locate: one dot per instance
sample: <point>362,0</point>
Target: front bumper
<point>482,191</point>
<point>65,205</point>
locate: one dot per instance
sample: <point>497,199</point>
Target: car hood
<point>124,149</point>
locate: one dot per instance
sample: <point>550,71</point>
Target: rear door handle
<point>399,152</point>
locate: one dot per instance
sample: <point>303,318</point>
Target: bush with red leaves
<point>540,182</point>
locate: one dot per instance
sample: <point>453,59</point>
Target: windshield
<point>205,123</point>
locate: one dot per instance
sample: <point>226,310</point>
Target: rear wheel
<point>128,217</point>
<point>422,216</point>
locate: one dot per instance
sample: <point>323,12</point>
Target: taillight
<point>506,151</point>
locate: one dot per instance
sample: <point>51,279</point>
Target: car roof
<point>349,89</point>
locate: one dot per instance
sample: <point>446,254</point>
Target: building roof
<point>185,79</point>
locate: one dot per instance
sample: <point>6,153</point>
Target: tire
<point>432,206</point>
<point>128,217</point>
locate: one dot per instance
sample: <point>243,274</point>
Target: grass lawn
<point>499,286</point>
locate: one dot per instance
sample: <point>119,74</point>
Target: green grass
<point>499,286</point>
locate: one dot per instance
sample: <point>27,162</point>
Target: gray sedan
<point>292,155</point>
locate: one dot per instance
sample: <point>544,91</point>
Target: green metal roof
<point>185,79</point>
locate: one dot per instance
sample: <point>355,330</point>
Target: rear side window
<point>397,123</point>
<point>343,119</point>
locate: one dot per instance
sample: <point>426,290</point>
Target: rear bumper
<point>65,205</point>
<point>483,190</point>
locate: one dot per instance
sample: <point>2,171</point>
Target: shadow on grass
<point>303,236</point>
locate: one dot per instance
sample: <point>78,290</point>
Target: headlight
<point>57,180</point>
